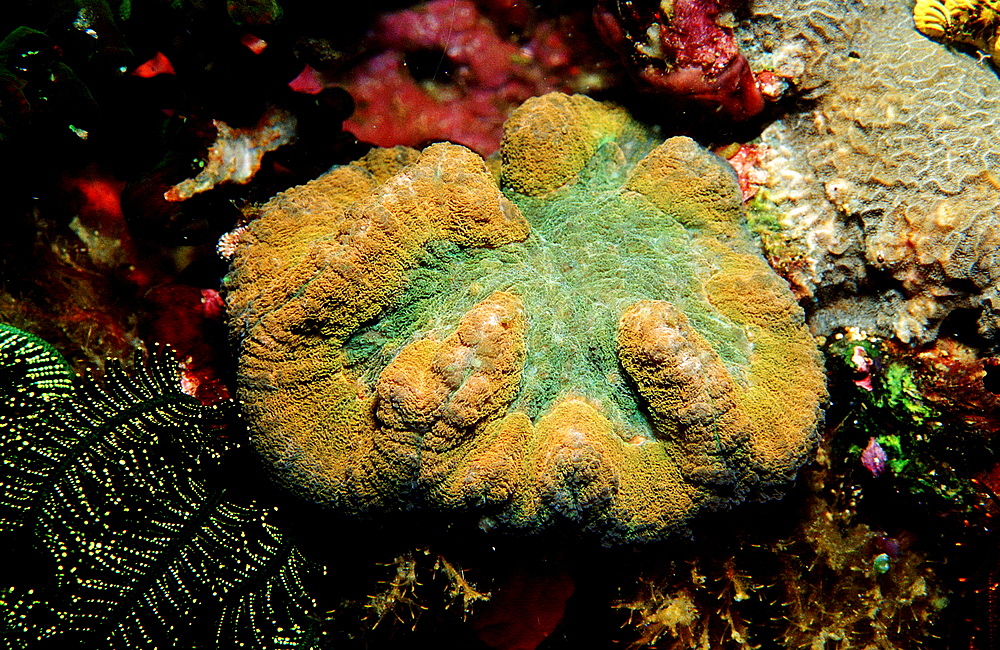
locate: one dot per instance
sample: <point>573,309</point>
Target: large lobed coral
<point>598,343</point>
<point>889,174</point>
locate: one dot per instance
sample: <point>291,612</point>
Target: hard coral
<point>971,22</point>
<point>684,49</point>
<point>889,177</point>
<point>598,344</point>
<point>442,72</point>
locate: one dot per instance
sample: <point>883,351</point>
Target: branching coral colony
<point>598,345</point>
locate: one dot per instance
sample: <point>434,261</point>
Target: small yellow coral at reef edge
<point>973,22</point>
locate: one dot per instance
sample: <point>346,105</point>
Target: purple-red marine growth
<point>683,48</point>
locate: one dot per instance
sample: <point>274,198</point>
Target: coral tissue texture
<point>890,176</point>
<point>594,343</point>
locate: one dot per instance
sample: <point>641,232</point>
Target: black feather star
<point>127,542</point>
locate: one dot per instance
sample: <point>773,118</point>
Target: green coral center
<point>593,250</point>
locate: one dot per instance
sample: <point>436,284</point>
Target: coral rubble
<point>888,176</point>
<point>597,345</point>
<point>840,588</point>
<point>826,576</point>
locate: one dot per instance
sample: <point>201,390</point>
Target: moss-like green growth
<point>764,220</point>
<point>930,452</point>
<point>899,392</point>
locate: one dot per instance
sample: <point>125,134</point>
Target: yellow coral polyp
<point>972,22</point>
<point>597,345</point>
<point>931,18</point>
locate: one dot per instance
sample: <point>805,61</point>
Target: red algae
<point>474,76</point>
<point>159,64</point>
<point>687,52</point>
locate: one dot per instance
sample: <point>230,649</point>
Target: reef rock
<point>596,345</point>
<point>889,177</point>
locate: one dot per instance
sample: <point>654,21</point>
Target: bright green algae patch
<point>593,251</point>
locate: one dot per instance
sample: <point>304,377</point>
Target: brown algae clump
<point>598,343</point>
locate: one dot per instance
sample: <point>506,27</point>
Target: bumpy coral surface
<point>889,176</point>
<point>598,343</point>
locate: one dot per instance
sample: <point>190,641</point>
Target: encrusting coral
<point>888,175</point>
<point>597,344</point>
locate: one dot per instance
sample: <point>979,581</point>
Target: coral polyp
<point>598,345</point>
<point>972,22</point>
